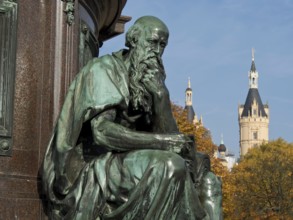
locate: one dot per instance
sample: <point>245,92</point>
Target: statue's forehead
<point>156,27</point>
<point>156,32</point>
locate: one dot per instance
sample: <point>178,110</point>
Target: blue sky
<point>210,42</point>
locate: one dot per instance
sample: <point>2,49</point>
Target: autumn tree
<point>204,143</point>
<point>261,186</point>
<point>202,136</point>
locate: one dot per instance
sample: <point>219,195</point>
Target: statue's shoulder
<point>107,62</point>
<point>102,63</point>
<point>97,67</point>
<point>101,68</point>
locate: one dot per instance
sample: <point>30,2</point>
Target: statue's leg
<point>191,207</point>
<point>211,195</point>
<point>145,184</point>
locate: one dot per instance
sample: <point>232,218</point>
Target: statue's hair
<point>132,35</point>
<point>141,25</point>
<point>140,97</point>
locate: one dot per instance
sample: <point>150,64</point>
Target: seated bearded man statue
<point>116,152</point>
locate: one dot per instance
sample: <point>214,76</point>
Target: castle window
<point>255,136</point>
<point>254,112</point>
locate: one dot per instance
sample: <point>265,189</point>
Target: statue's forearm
<point>117,137</point>
<point>163,119</point>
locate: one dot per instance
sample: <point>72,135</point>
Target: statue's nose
<point>158,50</point>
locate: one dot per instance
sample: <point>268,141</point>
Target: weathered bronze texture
<point>116,152</point>
<point>8,21</point>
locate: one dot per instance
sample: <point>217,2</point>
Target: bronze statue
<point>116,152</point>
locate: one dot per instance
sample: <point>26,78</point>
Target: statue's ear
<point>132,36</point>
<point>133,41</point>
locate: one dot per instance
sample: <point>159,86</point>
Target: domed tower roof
<point>222,147</point>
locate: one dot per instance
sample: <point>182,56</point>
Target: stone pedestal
<point>47,59</point>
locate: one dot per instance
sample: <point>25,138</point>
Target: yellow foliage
<point>260,187</point>
<point>202,136</point>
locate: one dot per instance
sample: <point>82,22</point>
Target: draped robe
<point>113,183</point>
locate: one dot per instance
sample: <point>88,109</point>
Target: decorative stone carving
<point>69,10</point>
<point>8,20</point>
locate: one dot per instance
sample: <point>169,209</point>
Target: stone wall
<point>47,59</point>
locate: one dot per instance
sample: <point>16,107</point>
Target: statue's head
<point>146,39</point>
<point>149,32</point>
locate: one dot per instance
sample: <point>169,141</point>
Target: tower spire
<point>253,74</point>
<point>188,94</point>
<point>222,139</point>
<point>191,116</point>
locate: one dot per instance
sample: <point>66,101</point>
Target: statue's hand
<point>179,144</point>
<point>154,83</point>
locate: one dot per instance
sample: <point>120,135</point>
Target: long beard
<point>140,98</point>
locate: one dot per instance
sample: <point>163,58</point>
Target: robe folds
<point>129,185</point>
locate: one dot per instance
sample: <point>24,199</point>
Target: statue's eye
<point>153,42</point>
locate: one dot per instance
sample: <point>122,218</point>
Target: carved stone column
<point>40,55</point>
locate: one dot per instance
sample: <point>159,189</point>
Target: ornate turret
<point>226,158</point>
<point>191,115</point>
<point>188,102</point>
<point>253,116</point>
<point>253,74</point>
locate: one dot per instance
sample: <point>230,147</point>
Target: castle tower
<point>253,116</point>
<point>191,115</point>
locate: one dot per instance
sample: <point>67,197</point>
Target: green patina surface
<point>116,152</point>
